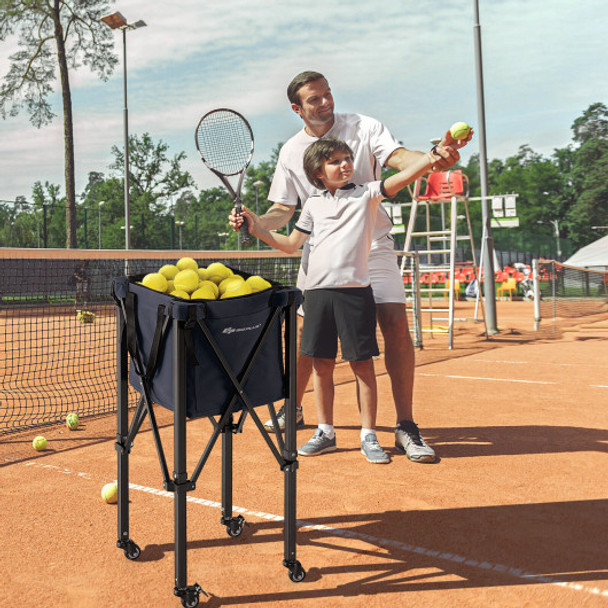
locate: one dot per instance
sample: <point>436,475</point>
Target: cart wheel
<point>131,550</point>
<point>296,573</point>
<point>190,600</point>
<point>235,526</point>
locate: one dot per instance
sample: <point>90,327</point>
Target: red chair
<point>444,185</point>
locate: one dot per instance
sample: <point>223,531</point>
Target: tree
<point>54,36</point>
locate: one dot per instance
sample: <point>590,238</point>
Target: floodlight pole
<point>488,241</point>
<point>257,209</point>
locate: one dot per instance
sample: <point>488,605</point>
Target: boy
<point>338,300</point>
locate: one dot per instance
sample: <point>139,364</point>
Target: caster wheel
<point>190,601</point>
<point>234,530</point>
<point>132,551</point>
<point>297,574</point>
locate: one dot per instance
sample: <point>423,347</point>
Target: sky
<point>408,63</point>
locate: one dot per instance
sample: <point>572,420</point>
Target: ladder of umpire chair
<point>446,187</point>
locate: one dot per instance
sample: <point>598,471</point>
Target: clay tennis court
<point>514,514</point>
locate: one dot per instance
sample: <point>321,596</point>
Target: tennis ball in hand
<point>72,421</point>
<point>156,281</point>
<point>460,130</point>
<point>110,493</point>
<point>186,280</point>
<point>39,443</point>
<point>257,283</point>
<point>187,263</point>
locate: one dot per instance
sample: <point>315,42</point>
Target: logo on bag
<point>234,330</point>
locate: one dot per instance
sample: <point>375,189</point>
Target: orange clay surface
<point>514,513</point>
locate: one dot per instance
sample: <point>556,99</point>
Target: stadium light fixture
<point>117,21</point>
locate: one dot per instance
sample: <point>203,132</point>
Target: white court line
<point>346,533</point>
<point>483,378</point>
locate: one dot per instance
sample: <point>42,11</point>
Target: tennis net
<point>58,325</point>
<point>562,291</point>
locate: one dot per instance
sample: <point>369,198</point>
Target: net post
<point>536,281</point>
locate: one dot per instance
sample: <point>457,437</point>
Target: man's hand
<point>446,151</point>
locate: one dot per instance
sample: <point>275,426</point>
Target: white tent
<point>594,255</point>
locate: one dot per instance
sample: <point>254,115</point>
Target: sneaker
<point>281,420</point>
<point>409,442</point>
<point>319,444</point>
<point>372,450</point>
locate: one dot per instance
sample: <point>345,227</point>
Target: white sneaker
<point>281,420</point>
<point>409,442</point>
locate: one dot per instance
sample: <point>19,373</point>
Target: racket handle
<point>244,230</point>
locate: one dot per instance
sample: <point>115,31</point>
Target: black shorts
<point>348,313</point>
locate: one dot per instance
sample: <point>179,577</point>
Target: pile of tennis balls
<point>189,281</point>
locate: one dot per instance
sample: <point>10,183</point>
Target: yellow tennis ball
<point>72,421</point>
<point>186,280</point>
<point>156,281</point>
<point>110,493</point>
<point>170,285</point>
<point>180,293</point>
<point>210,284</point>
<point>230,282</point>
<point>169,271</point>
<point>187,263</point>
<point>238,289</point>
<point>460,130</point>
<point>40,443</point>
<point>202,273</point>
<point>257,283</point>
<point>204,293</point>
<point>217,272</point>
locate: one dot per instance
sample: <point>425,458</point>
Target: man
<point>374,147</point>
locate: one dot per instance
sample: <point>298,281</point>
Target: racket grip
<point>244,230</point>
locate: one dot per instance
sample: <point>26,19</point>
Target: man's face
<point>337,170</point>
<point>316,103</point>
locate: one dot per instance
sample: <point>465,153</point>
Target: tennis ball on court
<point>217,272</point>
<point>72,421</point>
<point>230,282</point>
<point>40,443</point>
<point>460,130</point>
<point>257,283</point>
<point>156,281</point>
<point>169,271</point>
<point>186,280</point>
<point>187,263</point>
<point>235,290</point>
<point>210,284</point>
<point>180,293</point>
<point>110,493</point>
<point>204,293</point>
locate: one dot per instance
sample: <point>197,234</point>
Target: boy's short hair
<point>317,152</point>
<point>298,82</point>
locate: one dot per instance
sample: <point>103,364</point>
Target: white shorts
<point>384,272</point>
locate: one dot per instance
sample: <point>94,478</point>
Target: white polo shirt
<point>341,229</point>
<point>371,143</point>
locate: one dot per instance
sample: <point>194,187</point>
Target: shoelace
<point>414,435</point>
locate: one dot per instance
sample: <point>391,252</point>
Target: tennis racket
<point>224,140</point>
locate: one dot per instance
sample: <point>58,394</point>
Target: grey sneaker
<point>318,444</point>
<point>281,419</point>
<point>372,450</point>
<point>409,442</point>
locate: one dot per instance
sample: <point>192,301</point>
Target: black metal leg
<point>234,525</point>
<point>131,550</point>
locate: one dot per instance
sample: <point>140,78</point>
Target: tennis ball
<point>257,283</point>
<point>186,280</point>
<point>202,274</point>
<point>210,284</point>
<point>155,281</point>
<point>186,263</point>
<point>204,293</point>
<point>230,283</point>
<point>110,493</point>
<point>235,290</point>
<point>460,130</point>
<point>180,293</point>
<point>169,271</point>
<point>170,285</point>
<point>39,443</point>
<point>72,421</point>
<point>217,272</point>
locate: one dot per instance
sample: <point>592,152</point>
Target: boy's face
<point>336,171</point>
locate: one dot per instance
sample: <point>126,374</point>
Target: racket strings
<point>225,141</point>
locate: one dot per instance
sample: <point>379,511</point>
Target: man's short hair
<point>317,152</point>
<point>298,82</point>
